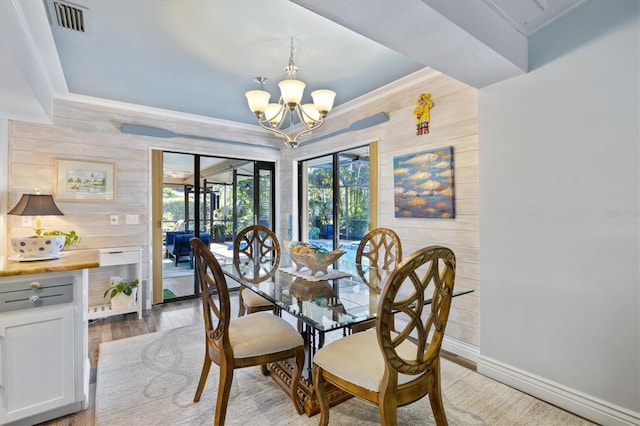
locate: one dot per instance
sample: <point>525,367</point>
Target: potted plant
<point>314,233</point>
<point>122,294</point>
<point>70,237</point>
<point>219,231</point>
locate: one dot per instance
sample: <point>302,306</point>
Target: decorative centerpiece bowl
<point>35,248</point>
<point>315,258</point>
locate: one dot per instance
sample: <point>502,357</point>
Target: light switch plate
<point>26,221</point>
<point>132,219</point>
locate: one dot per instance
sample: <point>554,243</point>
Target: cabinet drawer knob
<point>34,299</point>
<point>34,285</point>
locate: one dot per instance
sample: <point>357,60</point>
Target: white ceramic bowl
<point>33,247</point>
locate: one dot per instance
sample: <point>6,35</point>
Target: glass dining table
<point>341,300</point>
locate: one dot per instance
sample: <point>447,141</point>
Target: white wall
<point>559,217</point>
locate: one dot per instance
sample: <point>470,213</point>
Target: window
<point>335,199</point>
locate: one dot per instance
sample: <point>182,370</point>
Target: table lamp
<point>36,205</point>
<point>37,247</point>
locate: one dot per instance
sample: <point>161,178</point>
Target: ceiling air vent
<point>69,16</point>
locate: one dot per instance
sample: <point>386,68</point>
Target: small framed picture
<point>78,180</point>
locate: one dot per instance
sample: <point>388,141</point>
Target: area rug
<point>151,379</point>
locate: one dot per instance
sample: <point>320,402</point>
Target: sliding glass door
<point>254,195</point>
<point>215,206</point>
<point>335,199</point>
<point>265,195</point>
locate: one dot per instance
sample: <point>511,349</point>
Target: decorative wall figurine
<point>423,113</point>
<point>423,184</point>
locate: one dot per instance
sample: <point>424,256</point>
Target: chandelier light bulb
<point>274,114</point>
<point>291,92</point>
<point>323,100</point>
<point>310,114</point>
<point>258,100</point>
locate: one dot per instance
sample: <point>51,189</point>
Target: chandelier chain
<point>291,64</point>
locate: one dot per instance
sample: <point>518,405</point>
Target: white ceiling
<point>199,57</point>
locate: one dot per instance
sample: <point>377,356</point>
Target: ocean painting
<point>423,184</point>
<point>94,181</point>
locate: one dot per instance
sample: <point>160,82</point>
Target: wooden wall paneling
<point>470,254</point>
<point>285,174</point>
<point>466,269</point>
<point>460,222</point>
<point>112,118</point>
<point>419,235</point>
<point>470,283</point>
<point>374,204</point>
<point>466,174</point>
<point>462,316</point>
<point>464,333</point>
<point>470,302</point>
<point>467,207</point>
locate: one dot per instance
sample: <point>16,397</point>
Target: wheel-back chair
<point>255,246</point>
<point>251,340</point>
<point>378,253</point>
<point>402,363</point>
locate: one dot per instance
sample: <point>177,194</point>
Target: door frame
<point>157,186</point>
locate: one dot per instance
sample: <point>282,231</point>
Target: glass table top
<point>324,304</point>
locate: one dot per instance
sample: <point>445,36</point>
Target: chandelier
<point>272,116</point>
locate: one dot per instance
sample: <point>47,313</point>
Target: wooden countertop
<point>73,259</point>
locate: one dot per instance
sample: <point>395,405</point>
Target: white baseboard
<point>460,348</point>
<point>584,405</point>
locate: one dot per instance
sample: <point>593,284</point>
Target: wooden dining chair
<point>251,340</point>
<point>379,250</point>
<point>257,250</point>
<point>402,364</point>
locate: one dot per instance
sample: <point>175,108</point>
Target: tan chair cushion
<point>357,358</point>
<point>262,333</point>
<point>251,298</point>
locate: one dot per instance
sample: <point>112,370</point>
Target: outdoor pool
<point>349,247</point>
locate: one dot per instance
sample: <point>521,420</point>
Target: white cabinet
<point>125,262</point>
<point>37,351</point>
<point>44,365</point>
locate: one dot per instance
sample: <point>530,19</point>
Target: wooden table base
<point>282,372</point>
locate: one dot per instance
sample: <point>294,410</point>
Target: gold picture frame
<point>79,180</point>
